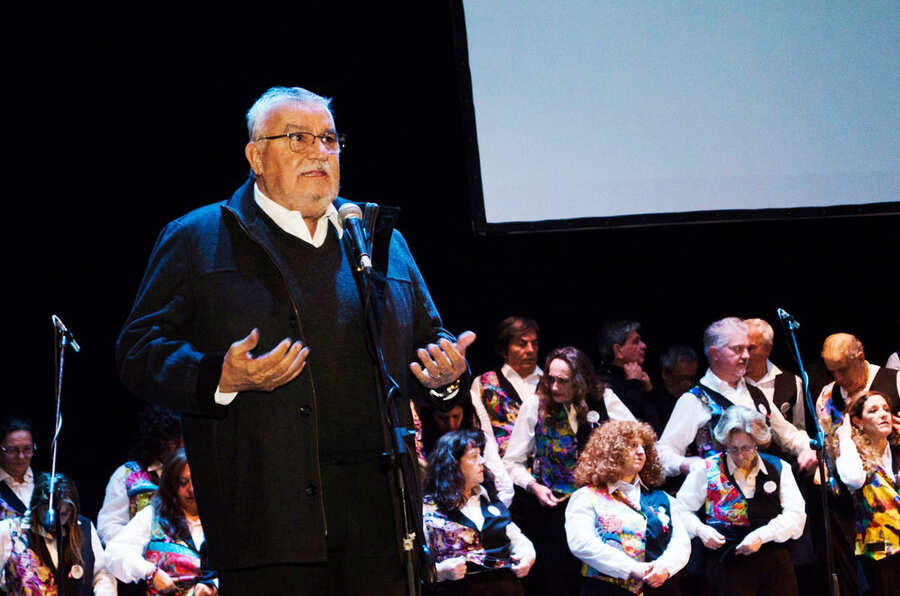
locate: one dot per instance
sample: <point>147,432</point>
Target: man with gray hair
<point>784,390</point>
<point>249,322</point>
<point>688,438</point>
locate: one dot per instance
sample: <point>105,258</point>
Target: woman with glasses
<point>58,555</point>
<point>476,547</point>
<point>164,543</point>
<point>751,507</point>
<point>16,477</point>
<point>866,464</point>
<point>625,531</point>
<point>551,430</point>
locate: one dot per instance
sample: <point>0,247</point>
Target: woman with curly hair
<point>476,547</point>
<point>867,466</point>
<point>35,561</point>
<point>751,507</point>
<point>623,529</point>
<point>551,430</point>
<point>164,543</point>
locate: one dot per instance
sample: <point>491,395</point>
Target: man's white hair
<point>763,328</point>
<point>715,334</point>
<point>276,95</point>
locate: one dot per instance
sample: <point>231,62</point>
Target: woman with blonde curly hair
<point>750,507</point>
<point>867,466</point>
<point>624,530</point>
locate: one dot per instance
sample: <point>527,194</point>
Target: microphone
<point>61,327</point>
<point>350,216</point>
<point>787,317</point>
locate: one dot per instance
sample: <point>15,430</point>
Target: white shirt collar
<point>772,371</point>
<point>28,479</point>
<point>759,467</point>
<point>292,221</point>
<point>718,385</point>
<point>532,379</point>
<point>630,490</point>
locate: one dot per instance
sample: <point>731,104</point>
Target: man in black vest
<point>783,389</point>
<point>696,412</point>
<point>249,322</point>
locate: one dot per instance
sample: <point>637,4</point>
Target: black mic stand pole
<point>51,519</point>
<point>790,325</point>
<point>400,457</point>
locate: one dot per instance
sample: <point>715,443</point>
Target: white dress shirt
<point>104,583</point>
<point>521,442</point>
<point>786,525</point>
<point>893,361</point>
<point>850,466</point>
<point>126,551</point>
<point>22,489</point>
<point>292,223</point>
<point>114,514</point>
<point>689,415</point>
<point>608,560</point>
<point>766,384</point>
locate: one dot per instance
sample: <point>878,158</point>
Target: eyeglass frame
<point>341,139</point>
<point>748,449</point>
<point>19,450</point>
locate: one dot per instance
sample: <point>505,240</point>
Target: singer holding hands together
<point>248,321</point>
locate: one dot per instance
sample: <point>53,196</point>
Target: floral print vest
<point>454,535</point>
<point>878,516</point>
<point>181,560</point>
<point>140,488</point>
<point>26,575</point>
<point>501,407</point>
<point>643,535</point>
<point>555,451</point>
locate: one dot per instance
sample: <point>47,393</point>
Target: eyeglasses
<point>739,349</point>
<point>11,450</point>
<point>302,142</point>
<point>743,450</point>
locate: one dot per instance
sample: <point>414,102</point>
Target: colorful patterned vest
<point>727,507</point>
<point>555,451</point>
<point>454,535</point>
<point>140,488</point>
<point>26,575</point>
<point>641,534</point>
<point>716,404</point>
<point>502,404</point>
<point>10,504</point>
<point>878,517</point>
<point>182,560</point>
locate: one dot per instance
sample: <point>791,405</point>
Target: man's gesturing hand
<point>443,363</point>
<point>242,372</point>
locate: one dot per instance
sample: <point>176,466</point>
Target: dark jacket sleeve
<point>154,356</point>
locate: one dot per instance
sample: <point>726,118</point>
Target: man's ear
<point>617,351</point>
<point>254,158</point>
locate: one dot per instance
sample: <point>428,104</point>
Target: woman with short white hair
<point>751,507</point>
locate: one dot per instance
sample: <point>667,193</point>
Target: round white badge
<point>769,487</point>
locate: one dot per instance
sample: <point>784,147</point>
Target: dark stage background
<point>121,123</point>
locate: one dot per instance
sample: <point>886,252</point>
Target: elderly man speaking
<point>248,321</point>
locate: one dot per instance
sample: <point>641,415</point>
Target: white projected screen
<point>602,109</point>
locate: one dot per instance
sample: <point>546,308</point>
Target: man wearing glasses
<point>688,434</point>
<point>248,321</point>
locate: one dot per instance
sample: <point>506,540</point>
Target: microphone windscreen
<point>349,211</point>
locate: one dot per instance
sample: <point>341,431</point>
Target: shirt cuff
<point>223,399</point>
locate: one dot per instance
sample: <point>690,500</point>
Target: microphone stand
<point>790,325</point>
<point>63,338</point>
<point>400,459</point>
